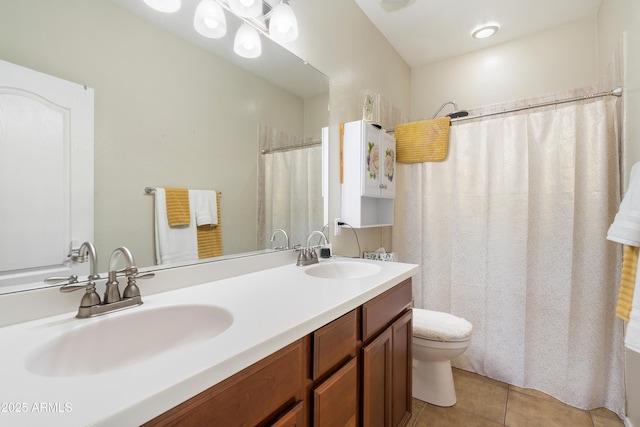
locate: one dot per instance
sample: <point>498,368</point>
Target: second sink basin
<point>116,341</point>
<point>343,270</point>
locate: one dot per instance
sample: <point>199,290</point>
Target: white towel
<point>205,205</point>
<point>626,225</point>
<point>626,230</point>
<point>173,244</point>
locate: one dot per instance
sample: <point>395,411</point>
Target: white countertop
<point>271,309</point>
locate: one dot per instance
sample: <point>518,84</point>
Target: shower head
<point>455,114</point>
<point>458,113</point>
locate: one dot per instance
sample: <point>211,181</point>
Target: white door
<point>46,159</point>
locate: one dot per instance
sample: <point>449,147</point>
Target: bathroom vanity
<point>315,380</point>
<point>328,344</point>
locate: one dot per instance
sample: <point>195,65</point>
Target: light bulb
<point>167,6</point>
<point>209,19</point>
<point>246,8</point>
<point>247,42</point>
<point>283,25</point>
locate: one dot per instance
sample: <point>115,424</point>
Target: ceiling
<point>427,31</point>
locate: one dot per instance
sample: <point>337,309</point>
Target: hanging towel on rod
<point>625,229</point>
<point>209,235</point>
<point>205,205</point>
<point>178,212</point>
<point>173,244</point>
<point>423,141</point>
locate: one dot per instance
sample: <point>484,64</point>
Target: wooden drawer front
<point>378,313</point>
<point>335,401</point>
<point>254,396</point>
<point>334,343</point>
<point>293,418</point>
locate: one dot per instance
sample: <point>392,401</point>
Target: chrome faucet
<point>91,297</point>
<point>90,305</point>
<point>286,238</point>
<point>112,294</point>
<point>308,255</point>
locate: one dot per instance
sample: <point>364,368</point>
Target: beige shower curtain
<point>290,188</point>
<point>510,234</point>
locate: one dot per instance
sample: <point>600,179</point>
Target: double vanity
<point>258,341</point>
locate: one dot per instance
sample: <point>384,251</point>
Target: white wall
<point>555,60</point>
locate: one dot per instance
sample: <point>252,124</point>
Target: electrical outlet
<point>337,229</point>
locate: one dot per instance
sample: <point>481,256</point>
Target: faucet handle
<point>132,289</point>
<point>90,298</point>
<point>57,279</point>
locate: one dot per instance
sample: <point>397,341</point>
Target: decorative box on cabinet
<point>369,167</point>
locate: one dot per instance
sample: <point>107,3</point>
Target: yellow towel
<point>210,237</point>
<point>424,141</point>
<point>627,281</point>
<point>177,206</point>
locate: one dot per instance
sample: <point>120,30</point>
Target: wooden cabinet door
<point>376,381</point>
<point>335,401</point>
<point>401,374</point>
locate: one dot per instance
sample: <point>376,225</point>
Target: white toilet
<point>437,338</point>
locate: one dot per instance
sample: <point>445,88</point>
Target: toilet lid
<point>439,326</point>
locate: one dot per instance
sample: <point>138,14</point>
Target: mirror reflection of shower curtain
<point>290,196</point>
<point>509,232</point>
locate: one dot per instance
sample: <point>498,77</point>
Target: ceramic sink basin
<point>342,270</point>
<point>125,338</point>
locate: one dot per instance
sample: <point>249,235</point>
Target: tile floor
<point>483,402</point>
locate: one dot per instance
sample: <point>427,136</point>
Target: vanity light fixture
<point>167,6</point>
<point>283,25</point>
<point>247,42</point>
<point>485,31</point>
<point>209,19</point>
<point>246,8</point>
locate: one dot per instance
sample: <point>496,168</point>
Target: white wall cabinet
<point>369,168</point>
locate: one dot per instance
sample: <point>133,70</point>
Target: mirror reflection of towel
<point>177,201</point>
<point>205,205</point>
<point>173,244</point>
<point>210,236</point>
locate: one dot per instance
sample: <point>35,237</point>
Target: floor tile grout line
<point>506,407</point>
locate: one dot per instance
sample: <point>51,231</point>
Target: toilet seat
<point>439,326</point>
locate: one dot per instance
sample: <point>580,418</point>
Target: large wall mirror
<point>175,109</point>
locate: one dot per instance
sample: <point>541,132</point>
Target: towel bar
<point>149,190</point>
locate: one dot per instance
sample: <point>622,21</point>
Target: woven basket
<point>423,141</point>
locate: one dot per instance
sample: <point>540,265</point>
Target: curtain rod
<point>615,92</point>
<point>291,147</point>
